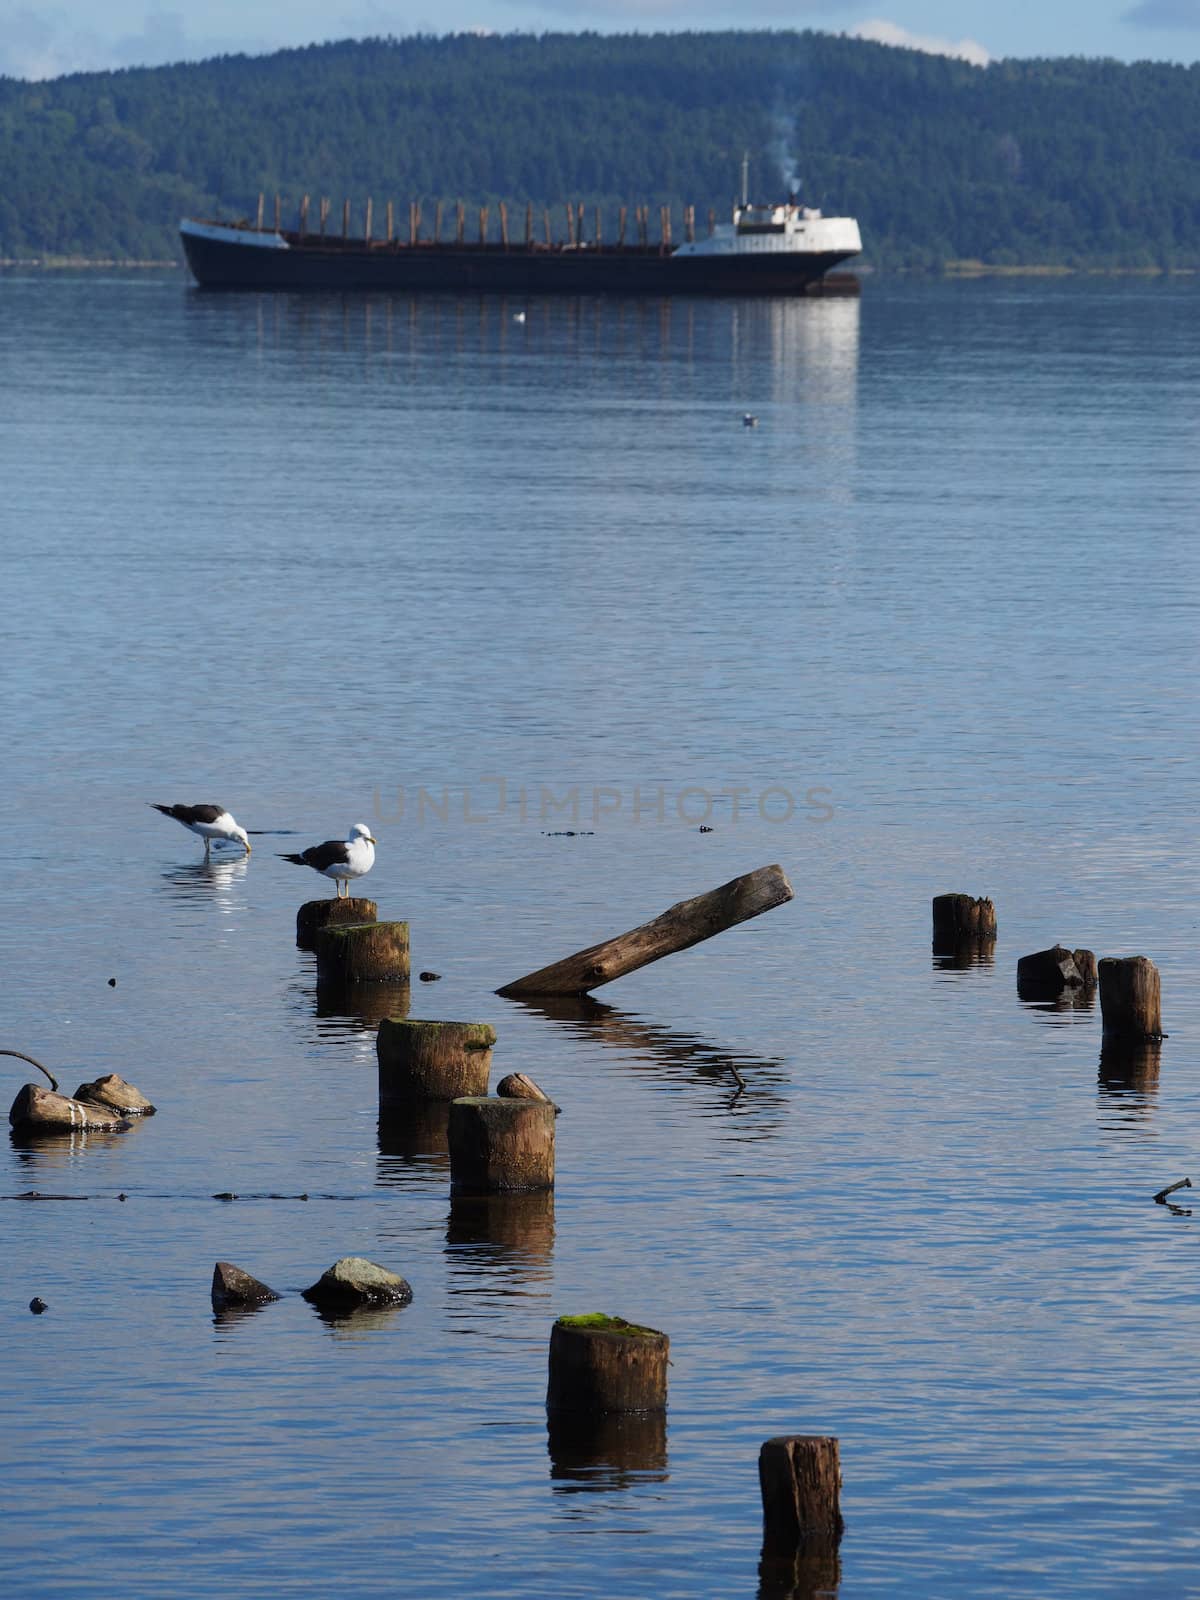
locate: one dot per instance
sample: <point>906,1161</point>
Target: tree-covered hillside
<point>1071,161</point>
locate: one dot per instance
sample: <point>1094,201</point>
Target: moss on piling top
<point>599,1322</point>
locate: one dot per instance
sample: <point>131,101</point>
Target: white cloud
<point>881,32</point>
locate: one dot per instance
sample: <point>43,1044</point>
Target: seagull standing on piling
<point>209,822</point>
<point>340,859</point>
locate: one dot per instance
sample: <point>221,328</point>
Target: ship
<point>766,249</point>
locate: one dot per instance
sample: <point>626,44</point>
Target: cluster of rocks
<point>351,1281</point>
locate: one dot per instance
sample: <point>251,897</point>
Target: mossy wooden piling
<point>601,1364</point>
<point>421,1060</point>
<point>679,927</point>
<point>499,1146</point>
<point>800,1477</point>
<point>1131,997</point>
<point>314,915</point>
<point>363,952</point>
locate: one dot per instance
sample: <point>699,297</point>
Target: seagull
<point>340,859</point>
<point>210,822</point>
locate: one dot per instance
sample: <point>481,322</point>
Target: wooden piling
<point>599,229</point>
<point>621,218</point>
<point>314,915</point>
<point>345,219</point>
<point>262,199</point>
<point>323,212</point>
<point>303,215</point>
<point>412,222</point>
<point>500,1145</point>
<point>681,926</point>
<point>367,222</point>
<point>1085,966</point>
<point>529,225</point>
<point>570,224</point>
<point>801,1479</point>
<point>432,1060</point>
<point>601,1364</point>
<point>278,213</point>
<point>390,221</point>
<point>437,222</point>
<point>712,222</point>
<point>958,916</point>
<point>1047,973</point>
<point>460,234</point>
<point>362,952</point>
<point>546,227</point>
<point>503,210</point>
<point>483,224</point>
<point>1131,997</point>
<point>689,224</point>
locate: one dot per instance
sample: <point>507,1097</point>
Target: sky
<point>45,38</point>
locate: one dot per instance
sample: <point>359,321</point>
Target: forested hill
<point>1063,161</point>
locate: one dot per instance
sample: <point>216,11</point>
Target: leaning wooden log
<point>801,1481</point>
<point>518,1087</point>
<point>231,1287</point>
<point>37,1110</point>
<point>1047,973</point>
<point>600,1363</point>
<point>1131,997</point>
<point>957,917</point>
<point>683,925</point>
<point>314,915</point>
<point>115,1094</point>
<point>363,952</point>
<point>500,1145</point>
<point>432,1060</point>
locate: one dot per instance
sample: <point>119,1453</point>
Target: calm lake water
<point>531,600</point>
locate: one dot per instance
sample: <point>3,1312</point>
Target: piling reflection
<point>414,1143</point>
<point>1130,1066</point>
<point>961,955</point>
<point>614,1451</point>
<point>510,1236</point>
<point>1072,1005</point>
<point>808,1573</point>
<point>746,1086</point>
<point>350,1007</point>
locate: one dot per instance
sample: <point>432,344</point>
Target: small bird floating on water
<point>749,420</point>
<point>209,822</point>
<point>340,859</point>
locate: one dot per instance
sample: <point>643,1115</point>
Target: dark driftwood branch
<point>21,1056</point>
<point>1184,1183</point>
<point>678,928</point>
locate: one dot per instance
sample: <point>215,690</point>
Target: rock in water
<point>112,1091</point>
<point>354,1281</point>
<point>233,1287</point>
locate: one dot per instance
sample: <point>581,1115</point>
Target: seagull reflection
<point>674,1060</point>
<point>214,879</point>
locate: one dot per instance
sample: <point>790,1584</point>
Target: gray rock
<point>233,1287</point>
<point>354,1281</point>
<point>114,1092</point>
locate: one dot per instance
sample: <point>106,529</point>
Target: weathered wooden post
<point>599,229</point>
<point>801,1479</point>
<point>529,224</point>
<point>391,221</point>
<point>258,221</point>
<point>546,227</point>
<point>570,223</point>
<point>622,216</point>
<point>303,215</point>
<point>345,219</point>
<point>362,952</point>
<point>437,222</point>
<point>498,1145</point>
<point>678,928</point>
<point>957,917</point>
<point>483,224</point>
<point>1131,997</point>
<point>323,212</point>
<point>314,915</point>
<point>503,210</point>
<point>432,1060</point>
<point>601,1364</point>
<point>367,222</point>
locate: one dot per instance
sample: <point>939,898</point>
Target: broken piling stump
<point>37,1110</point>
<point>601,1364</point>
<point>517,1086</point>
<point>231,1287</point>
<point>1047,973</point>
<point>362,952</point>
<point>1131,997</point>
<point>114,1093</point>
<point>678,928</point>
<point>957,917</point>
<point>317,914</point>
<point>500,1145</point>
<point>432,1060</point>
<point>801,1479</point>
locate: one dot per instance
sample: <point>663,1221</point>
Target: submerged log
<point>114,1093</point>
<point>681,926</point>
<point>314,915</point>
<point>233,1287</point>
<point>354,1281</point>
<point>363,952</point>
<point>601,1364</point>
<point>519,1087</point>
<point>498,1145</point>
<point>801,1481</point>
<point>432,1060</point>
<point>37,1110</point>
<point>1131,997</point>
<point>957,917</point>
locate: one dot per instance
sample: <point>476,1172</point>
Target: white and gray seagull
<point>209,822</point>
<point>340,859</point>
